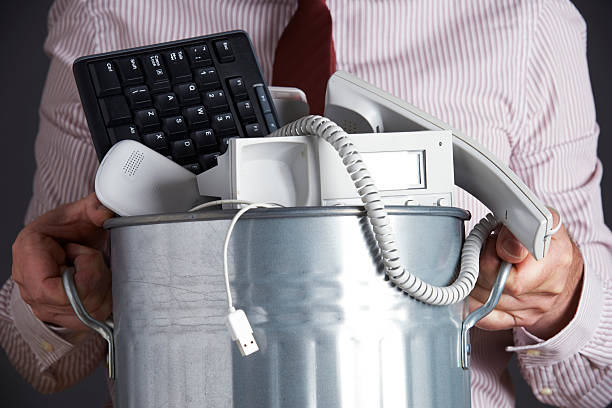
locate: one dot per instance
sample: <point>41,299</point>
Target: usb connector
<point>241,331</point>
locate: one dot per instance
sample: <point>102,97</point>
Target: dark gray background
<point>22,73</point>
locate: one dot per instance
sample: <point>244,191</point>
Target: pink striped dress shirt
<point>511,74</point>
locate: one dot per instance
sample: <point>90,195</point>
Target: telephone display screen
<point>402,170</point>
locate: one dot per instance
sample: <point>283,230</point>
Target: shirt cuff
<point>47,346</point>
<point>573,337</point>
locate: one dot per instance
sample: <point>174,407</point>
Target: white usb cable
<point>237,322</point>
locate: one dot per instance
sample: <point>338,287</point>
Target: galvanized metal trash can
<point>332,331</point>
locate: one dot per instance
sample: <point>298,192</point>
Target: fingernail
<point>512,247</point>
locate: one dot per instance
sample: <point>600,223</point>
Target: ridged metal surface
<point>332,331</point>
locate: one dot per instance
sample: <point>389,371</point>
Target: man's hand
<point>71,234</point>
<point>541,296</point>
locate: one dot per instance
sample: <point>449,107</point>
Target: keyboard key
<point>199,56</point>
<point>205,140</point>
<point>175,127</point>
<point>188,93</point>
<point>237,88</point>
<point>156,141</point>
<point>130,71</point>
<point>147,120</point>
<point>183,151</point>
<point>224,50</point>
<point>196,117</point>
<point>253,130</point>
<point>271,122</point>
<point>115,110</point>
<point>167,104</point>
<point>178,66</point>
<point>224,123</point>
<point>263,99</point>
<point>138,97</point>
<point>157,77</point>
<point>126,132</point>
<point>208,161</point>
<point>206,78</point>
<point>215,100</point>
<point>195,168</point>
<point>105,78</point>
<point>246,110</point>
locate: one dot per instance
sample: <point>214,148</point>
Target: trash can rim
<point>289,212</point>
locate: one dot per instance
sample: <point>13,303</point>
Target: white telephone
<point>300,171</point>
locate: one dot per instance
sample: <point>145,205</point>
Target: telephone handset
<point>359,107</point>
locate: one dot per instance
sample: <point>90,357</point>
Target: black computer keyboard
<point>185,99</point>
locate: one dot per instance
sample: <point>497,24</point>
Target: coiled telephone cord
<point>383,232</point>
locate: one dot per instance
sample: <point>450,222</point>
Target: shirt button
<point>534,353</point>
<point>546,391</point>
<point>46,346</point>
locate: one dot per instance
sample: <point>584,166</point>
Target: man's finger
<point>496,320</point>
<point>66,320</point>
<point>529,277</point>
<point>49,291</point>
<point>92,277</point>
<point>105,308</point>
<point>508,303</point>
<point>502,320</point>
<point>66,317</point>
<point>35,257</point>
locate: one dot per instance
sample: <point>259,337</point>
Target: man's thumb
<point>509,248</point>
<point>68,221</point>
<point>95,211</point>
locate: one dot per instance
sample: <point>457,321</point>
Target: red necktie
<point>305,57</point>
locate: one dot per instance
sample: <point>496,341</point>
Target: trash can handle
<point>482,311</point>
<point>102,329</point>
